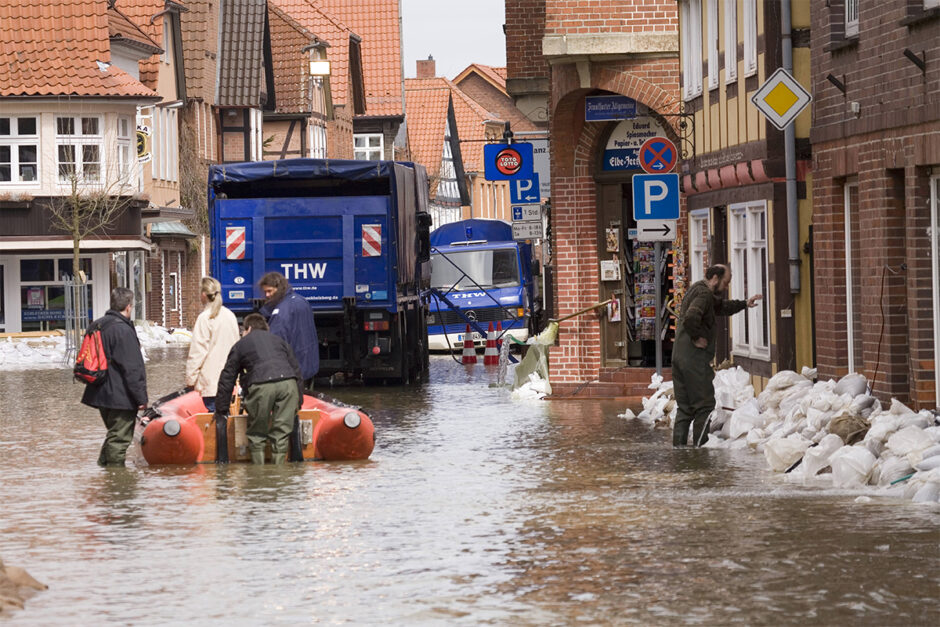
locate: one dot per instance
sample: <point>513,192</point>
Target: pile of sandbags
<point>832,433</point>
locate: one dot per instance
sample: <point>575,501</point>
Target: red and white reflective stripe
<point>371,240</point>
<point>234,242</point>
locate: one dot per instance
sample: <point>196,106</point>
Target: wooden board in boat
<point>238,442</point>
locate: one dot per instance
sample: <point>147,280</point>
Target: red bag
<point>91,365</point>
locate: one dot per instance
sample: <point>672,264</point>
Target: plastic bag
<point>536,358</point>
<point>851,466</point>
<point>817,457</point>
<point>784,452</point>
<point>745,418</point>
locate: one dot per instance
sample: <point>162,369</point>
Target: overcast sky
<point>455,32</point>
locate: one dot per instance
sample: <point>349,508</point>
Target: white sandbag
<point>914,420</point>
<point>809,373</point>
<point>817,457</point>
<point>745,418</point>
<point>933,433</point>
<point>628,414</point>
<point>928,464</point>
<point>909,440</point>
<point>876,447</point>
<point>929,492</point>
<point>930,452</point>
<point>852,384</point>
<point>784,452</point>
<point>863,405</point>
<point>851,466</point>
<point>893,468</point>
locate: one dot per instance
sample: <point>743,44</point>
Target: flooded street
<point>472,509</point>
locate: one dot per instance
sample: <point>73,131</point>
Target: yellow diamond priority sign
<point>781,99</point>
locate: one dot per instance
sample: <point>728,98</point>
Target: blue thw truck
<point>479,275</point>
<point>352,238</point>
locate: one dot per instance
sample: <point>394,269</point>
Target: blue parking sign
<point>655,196</point>
<point>525,191</point>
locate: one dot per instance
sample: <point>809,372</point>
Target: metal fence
<point>76,316</point>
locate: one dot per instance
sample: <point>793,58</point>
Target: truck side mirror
<point>423,221</point>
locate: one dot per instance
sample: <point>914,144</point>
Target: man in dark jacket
<point>694,350</point>
<point>271,383</point>
<point>124,390</point>
<point>291,318</point>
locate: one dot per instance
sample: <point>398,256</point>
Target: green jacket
<point>697,319</point>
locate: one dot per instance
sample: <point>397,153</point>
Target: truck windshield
<point>488,268</point>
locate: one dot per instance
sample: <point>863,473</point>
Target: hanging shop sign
<point>143,143</point>
<point>623,147</point>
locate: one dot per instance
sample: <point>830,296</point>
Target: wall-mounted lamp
<point>835,81</point>
<point>919,61</point>
<point>320,68</point>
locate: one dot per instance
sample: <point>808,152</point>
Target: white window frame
<point>853,359</point>
<point>126,158</point>
<point>750,37</point>
<point>749,327</point>
<point>367,151</point>
<point>935,275</point>
<point>256,121</point>
<point>15,142</point>
<point>691,49</point>
<point>316,140</point>
<point>165,146</point>
<point>80,141</point>
<point>712,27</point>
<point>851,18</point>
<point>700,223</point>
<point>731,41</point>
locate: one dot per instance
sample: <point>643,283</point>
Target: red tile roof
<point>200,31</point>
<point>496,76</point>
<point>140,11</point>
<point>288,38</point>
<point>315,19</point>
<point>426,101</point>
<point>376,21</point>
<point>53,48</point>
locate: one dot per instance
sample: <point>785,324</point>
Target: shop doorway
<point>628,278</point>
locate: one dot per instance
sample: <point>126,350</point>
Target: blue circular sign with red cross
<point>658,155</point>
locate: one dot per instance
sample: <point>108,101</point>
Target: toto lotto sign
<point>508,161</point>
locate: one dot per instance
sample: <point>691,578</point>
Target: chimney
<point>426,69</point>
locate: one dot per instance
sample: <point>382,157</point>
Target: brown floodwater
<point>474,509</point>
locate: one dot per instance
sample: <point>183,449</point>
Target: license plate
<point>475,336</point>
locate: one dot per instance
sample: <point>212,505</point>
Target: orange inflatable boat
<point>179,430</point>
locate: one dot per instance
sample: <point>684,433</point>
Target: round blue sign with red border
<point>658,155</point>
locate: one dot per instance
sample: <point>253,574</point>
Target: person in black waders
<point>124,391</point>
<point>272,384</point>
<point>694,350</point>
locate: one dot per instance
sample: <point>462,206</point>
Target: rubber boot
<point>257,457</point>
<point>680,433</point>
<point>278,458</point>
<point>700,432</point>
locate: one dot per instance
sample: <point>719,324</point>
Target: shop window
<point>750,331</point>
<point>853,276</point>
<point>42,291</point>
<point>731,41</point>
<point>699,230</point>
<point>691,49</point>
<point>78,149</point>
<point>368,147</point>
<point>750,37</point>
<point>19,150</point>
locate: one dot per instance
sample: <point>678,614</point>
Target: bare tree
<point>95,199</point>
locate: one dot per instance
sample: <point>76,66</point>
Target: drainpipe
<point>789,141</point>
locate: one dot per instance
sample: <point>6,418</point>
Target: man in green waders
<point>694,350</point>
<point>270,377</point>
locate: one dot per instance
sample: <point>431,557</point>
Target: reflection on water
<point>473,509</point>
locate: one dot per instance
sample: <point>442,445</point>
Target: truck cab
<point>479,275</point>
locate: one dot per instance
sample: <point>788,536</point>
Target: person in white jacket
<point>214,334</point>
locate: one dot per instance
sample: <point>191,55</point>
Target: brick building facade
<point>558,53</point>
<point>876,153</point>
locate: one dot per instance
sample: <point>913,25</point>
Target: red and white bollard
<point>469,351</point>
<point>491,354</point>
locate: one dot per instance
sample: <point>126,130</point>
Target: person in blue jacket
<point>291,318</point>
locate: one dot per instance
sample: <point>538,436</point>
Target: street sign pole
<point>657,287</point>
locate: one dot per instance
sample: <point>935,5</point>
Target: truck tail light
<point>375,325</point>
